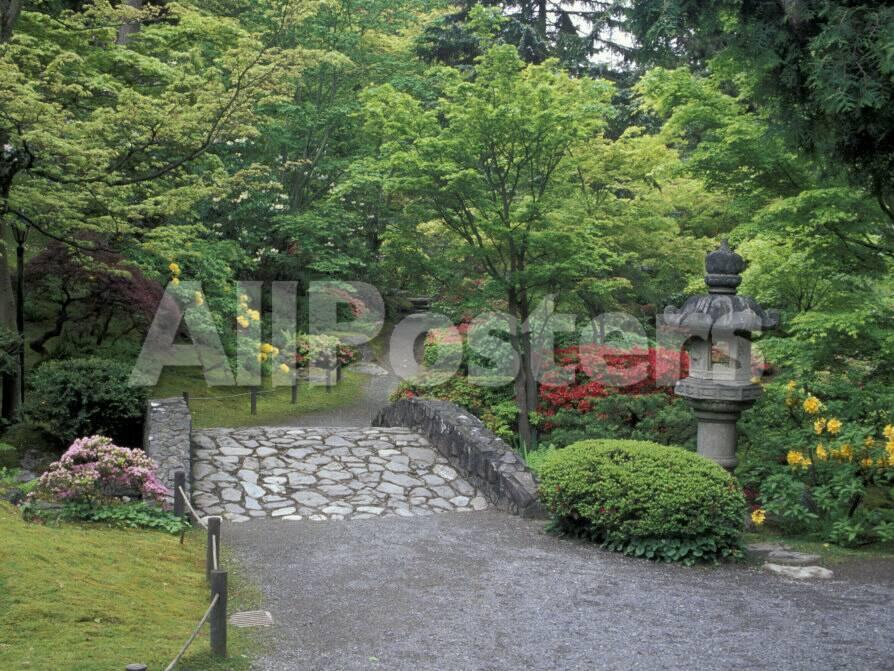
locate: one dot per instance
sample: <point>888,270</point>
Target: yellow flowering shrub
<point>822,486</point>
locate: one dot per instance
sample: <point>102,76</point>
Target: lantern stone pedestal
<point>717,408</point>
<point>717,328</point>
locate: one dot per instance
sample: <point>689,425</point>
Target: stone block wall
<point>483,458</point>
<point>166,438</point>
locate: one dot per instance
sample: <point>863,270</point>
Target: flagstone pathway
<point>324,473</point>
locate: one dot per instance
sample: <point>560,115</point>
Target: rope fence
<point>216,613</point>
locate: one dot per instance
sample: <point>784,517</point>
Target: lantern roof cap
<point>721,309</point>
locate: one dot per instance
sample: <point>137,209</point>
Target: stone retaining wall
<point>166,438</point>
<point>485,460</point>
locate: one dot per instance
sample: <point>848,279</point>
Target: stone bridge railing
<point>483,458</point>
<point>166,437</point>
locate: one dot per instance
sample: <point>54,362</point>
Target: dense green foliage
<point>25,436</point>
<point>84,397</point>
<point>644,500</point>
<point>9,456</point>
<point>820,460</point>
<point>133,515</point>
<point>546,162</point>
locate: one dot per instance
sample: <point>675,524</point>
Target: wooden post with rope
<point>218,619</point>
<point>179,499</point>
<point>212,551</point>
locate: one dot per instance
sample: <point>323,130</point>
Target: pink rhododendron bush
<point>94,469</point>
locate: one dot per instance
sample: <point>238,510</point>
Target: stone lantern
<point>717,328</point>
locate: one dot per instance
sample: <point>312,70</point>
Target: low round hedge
<point>644,499</point>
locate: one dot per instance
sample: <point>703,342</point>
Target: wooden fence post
<point>218,619</point>
<point>213,542</point>
<point>337,373</point>
<point>294,392</point>
<point>186,398</point>
<point>179,488</point>
<point>329,380</point>
<point>254,400</point>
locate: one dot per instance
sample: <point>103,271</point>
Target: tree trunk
<point>525,381</point>
<point>541,17</point>
<point>39,343</point>
<point>9,14</point>
<point>20,310</point>
<point>128,29</point>
<point>11,381</point>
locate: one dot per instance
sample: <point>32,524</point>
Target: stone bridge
<point>421,458</point>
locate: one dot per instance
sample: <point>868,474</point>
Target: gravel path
<point>489,592</point>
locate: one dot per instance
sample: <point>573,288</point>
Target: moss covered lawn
<point>230,406</point>
<point>86,598</point>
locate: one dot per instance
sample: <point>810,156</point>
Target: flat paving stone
<point>325,473</point>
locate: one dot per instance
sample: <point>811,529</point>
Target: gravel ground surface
<point>491,592</point>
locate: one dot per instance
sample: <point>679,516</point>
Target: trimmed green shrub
<point>85,397</point>
<point>9,456</point>
<point>645,500</point>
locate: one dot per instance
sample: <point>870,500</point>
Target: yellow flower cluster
<point>175,273</point>
<point>246,315</point>
<point>267,351</point>
<point>843,453</point>
<point>812,405</point>
<point>758,516</point>
<point>833,426</point>
<point>795,458</point>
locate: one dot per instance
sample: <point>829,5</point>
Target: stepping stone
<point>402,480</point>
<point>235,451</point>
<point>424,454</point>
<point>330,474</point>
<point>299,453</point>
<point>397,466</point>
<point>252,504</point>
<point>254,491</point>
<point>336,490</point>
<point>445,472</point>
<point>337,510</point>
<point>799,572</point>
<point>201,470</point>
<point>311,499</point>
<point>478,503</point>
<point>248,476</point>
<point>230,494</point>
<point>283,511</point>
<point>791,558</point>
